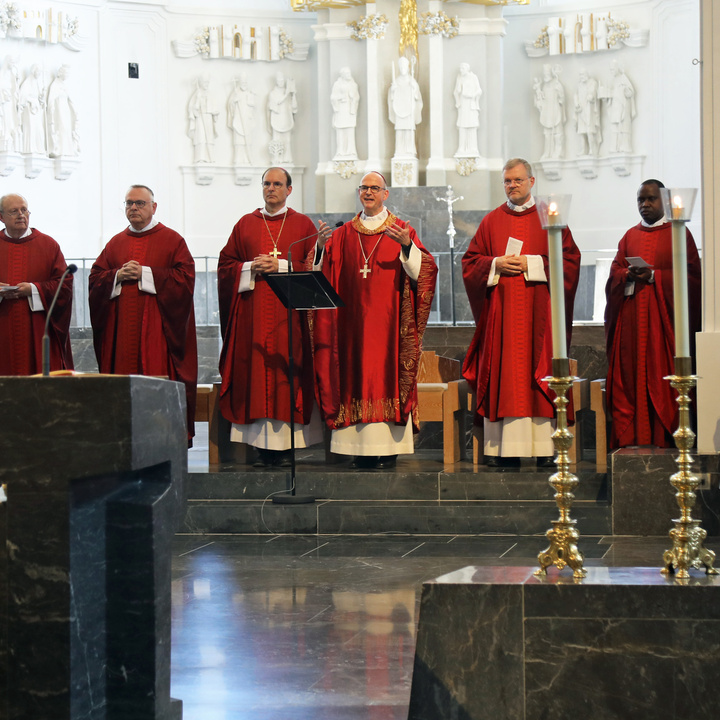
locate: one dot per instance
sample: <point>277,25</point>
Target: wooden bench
<point>442,394</point>
<point>207,409</point>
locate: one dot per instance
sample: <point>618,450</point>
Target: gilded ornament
<point>439,24</point>
<point>369,27</point>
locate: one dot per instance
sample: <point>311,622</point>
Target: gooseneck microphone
<point>69,270</point>
<point>337,225</point>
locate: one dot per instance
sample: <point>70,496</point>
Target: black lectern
<point>299,291</point>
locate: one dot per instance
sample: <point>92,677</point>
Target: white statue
<point>202,117</point>
<point>31,108</point>
<point>587,115</point>
<point>241,119</point>
<point>405,109</point>
<point>281,109</point>
<point>467,101</point>
<point>62,121</point>
<point>9,117</point>
<point>345,99</point>
<point>622,110</point>
<point>550,101</point>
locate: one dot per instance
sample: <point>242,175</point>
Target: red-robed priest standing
<point>639,320</point>
<point>141,301</point>
<point>31,264</point>
<point>255,392</point>
<point>506,276</point>
<point>367,353</point>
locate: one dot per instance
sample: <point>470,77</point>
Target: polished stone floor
<point>322,627</point>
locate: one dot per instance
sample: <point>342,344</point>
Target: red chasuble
<point>641,341</point>
<point>37,259</point>
<point>511,351</point>
<point>254,357</point>
<point>367,353</point>
<point>143,334</point>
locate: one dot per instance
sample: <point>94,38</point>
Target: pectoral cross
<point>275,252</point>
<point>365,270</point>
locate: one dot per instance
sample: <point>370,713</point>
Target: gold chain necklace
<point>275,252</point>
<point>365,270</point>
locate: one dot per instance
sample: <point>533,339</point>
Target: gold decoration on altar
<point>438,23</point>
<point>369,27</point>
<point>408,27</point>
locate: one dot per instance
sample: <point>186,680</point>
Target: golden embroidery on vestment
<point>357,225</point>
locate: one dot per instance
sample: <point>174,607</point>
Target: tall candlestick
<point>680,288</point>
<point>557,283</point>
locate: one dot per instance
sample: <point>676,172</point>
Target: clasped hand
<point>639,273</point>
<point>24,289</point>
<point>511,264</point>
<point>265,264</point>
<point>131,270</point>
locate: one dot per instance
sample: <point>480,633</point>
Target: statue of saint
<point>241,119</point>
<point>62,121</point>
<point>550,101</point>
<point>622,110</point>
<point>281,108</point>
<point>202,120</point>
<point>587,115</point>
<point>405,109</point>
<point>345,99</point>
<point>31,109</point>
<point>10,130</point>
<point>467,101</point>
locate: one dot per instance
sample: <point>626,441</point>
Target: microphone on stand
<point>338,224</point>
<point>69,270</point>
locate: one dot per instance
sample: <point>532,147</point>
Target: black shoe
<point>283,459</point>
<point>492,461</point>
<point>545,462</point>
<point>386,462</point>
<point>264,458</point>
<point>364,462</point>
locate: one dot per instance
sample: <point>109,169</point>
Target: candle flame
<point>552,208</point>
<point>677,208</point>
<point>677,202</point>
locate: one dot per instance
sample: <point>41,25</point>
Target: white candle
<point>680,284</point>
<point>557,283</point>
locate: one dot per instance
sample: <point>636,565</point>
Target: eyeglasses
<point>139,204</point>
<point>15,213</point>
<point>372,188</point>
<point>513,183</point>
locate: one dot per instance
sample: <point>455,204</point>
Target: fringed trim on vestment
<point>358,411</point>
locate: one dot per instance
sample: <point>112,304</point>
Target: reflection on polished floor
<point>323,627</point>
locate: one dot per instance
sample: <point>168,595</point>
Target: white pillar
<point>436,174</point>
<point>708,341</point>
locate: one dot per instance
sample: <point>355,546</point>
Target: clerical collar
<point>149,226</point>
<point>519,208</point>
<point>661,221</point>
<point>374,221</point>
<point>27,233</point>
<point>275,214</point>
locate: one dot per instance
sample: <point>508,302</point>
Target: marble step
<point>412,485</point>
<point>365,517</point>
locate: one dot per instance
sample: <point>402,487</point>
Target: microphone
<point>338,224</point>
<point>69,270</point>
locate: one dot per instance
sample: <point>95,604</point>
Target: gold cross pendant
<point>365,270</point>
<point>275,252</point>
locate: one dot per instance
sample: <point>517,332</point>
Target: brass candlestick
<point>687,535</point>
<point>563,535</point>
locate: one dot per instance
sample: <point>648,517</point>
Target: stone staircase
<point>421,496</point>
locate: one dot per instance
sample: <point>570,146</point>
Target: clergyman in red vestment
<point>506,276</point>
<point>639,320</point>
<point>255,395</point>
<point>141,301</point>
<point>31,264</point>
<point>367,353</point>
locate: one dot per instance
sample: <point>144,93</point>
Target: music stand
<point>299,291</point>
